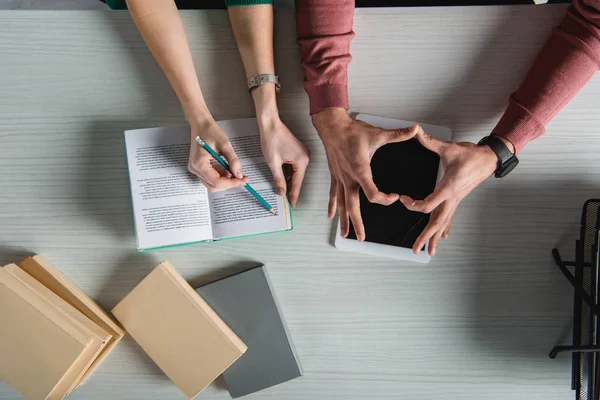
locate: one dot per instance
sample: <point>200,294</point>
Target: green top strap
<point>232,3</point>
<point>121,5</point>
<point>116,4</point>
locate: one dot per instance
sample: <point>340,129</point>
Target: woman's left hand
<point>281,147</point>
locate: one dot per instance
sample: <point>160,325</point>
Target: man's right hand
<point>350,145</point>
<point>205,167</point>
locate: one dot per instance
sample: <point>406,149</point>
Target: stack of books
<point>233,327</point>
<point>52,336</point>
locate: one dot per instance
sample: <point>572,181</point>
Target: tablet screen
<point>405,168</point>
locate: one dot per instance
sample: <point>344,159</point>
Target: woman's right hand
<point>205,167</point>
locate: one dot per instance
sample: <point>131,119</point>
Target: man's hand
<point>465,165</point>
<point>281,147</point>
<point>350,145</point>
<point>204,166</point>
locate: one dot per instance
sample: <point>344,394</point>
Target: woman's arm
<point>253,30</point>
<point>162,29</point>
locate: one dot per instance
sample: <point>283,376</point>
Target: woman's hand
<point>205,167</point>
<point>281,147</point>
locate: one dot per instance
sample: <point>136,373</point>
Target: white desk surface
<point>476,323</point>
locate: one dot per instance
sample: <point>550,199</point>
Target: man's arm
<point>563,66</point>
<point>324,35</point>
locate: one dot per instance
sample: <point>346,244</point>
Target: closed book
<point>99,336</point>
<point>178,330</point>
<point>58,283</point>
<point>39,345</point>
<point>247,303</point>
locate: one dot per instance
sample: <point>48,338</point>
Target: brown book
<point>99,335</point>
<point>178,330</point>
<point>39,345</point>
<point>62,286</point>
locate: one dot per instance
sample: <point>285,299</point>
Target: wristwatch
<point>507,161</point>
<point>259,79</point>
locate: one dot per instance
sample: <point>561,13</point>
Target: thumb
<point>399,134</point>
<point>431,143</point>
<point>278,178</point>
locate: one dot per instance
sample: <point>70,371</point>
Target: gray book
<point>247,303</point>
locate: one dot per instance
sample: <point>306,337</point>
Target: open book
<point>172,207</point>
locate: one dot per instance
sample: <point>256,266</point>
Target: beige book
<point>100,336</point>
<point>178,330</point>
<point>56,281</point>
<point>38,344</point>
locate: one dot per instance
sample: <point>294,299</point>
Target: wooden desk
<point>475,323</point>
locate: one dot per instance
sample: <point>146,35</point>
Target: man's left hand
<point>465,165</point>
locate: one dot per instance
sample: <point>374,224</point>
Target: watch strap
<point>260,79</point>
<point>507,161</point>
<point>500,148</point>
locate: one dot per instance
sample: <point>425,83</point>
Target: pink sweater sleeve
<point>564,65</point>
<point>324,35</point>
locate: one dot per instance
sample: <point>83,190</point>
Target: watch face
<point>507,167</point>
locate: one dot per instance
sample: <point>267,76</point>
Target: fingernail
<point>433,252</point>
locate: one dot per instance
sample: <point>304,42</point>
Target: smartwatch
<point>507,161</point>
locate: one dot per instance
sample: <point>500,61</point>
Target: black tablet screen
<point>405,168</point>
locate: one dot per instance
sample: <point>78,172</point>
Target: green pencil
<point>224,164</point>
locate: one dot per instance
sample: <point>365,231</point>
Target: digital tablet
<point>406,168</point>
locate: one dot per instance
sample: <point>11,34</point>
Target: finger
<point>440,194</point>
<point>214,180</point>
<point>372,192</point>
<point>434,242</point>
<point>224,183</point>
<point>400,134</point>
<point>353,207</point>
<point>298,173</point>
<point>235,165</point>
<point>435,224</point>
<point>446,232</point>
<point>343,213</point>
<point>448,224</point>
<point>442,232</point>
<point>431,143</point>
<point>332,198</point>
<point>278,177</point>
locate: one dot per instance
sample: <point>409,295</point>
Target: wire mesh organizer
<point>586,316</point>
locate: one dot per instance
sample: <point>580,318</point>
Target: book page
<point>170,205</point>
<point>236,212</point>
